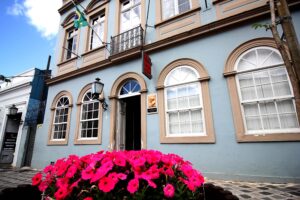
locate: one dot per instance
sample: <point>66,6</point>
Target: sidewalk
<point>243,190</point>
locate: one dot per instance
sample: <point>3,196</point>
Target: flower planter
<point>30,192</point>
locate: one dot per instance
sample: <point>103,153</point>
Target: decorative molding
<point>210,136</point>
<point>114,101</point>
<point>53,105</point>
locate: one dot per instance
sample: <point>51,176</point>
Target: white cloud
<point>43,15</point>
<point>16,9</point>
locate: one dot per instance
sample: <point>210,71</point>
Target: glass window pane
<point>253,123</point>
<point>267,108</point>
<point>278,75</point>
<point>264,91</point>
<point>251,109</point>
<point>261,77</point>
<point>270,122</point>
<point>289,120</point>
<point>248,93</point>
<point>286,106</point>
<point>282,89</point>
<point>245,80</point>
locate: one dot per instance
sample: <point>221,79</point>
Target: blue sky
<point>28,34</point>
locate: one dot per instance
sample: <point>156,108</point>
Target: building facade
<point>22,105</point>
<point>218,93</point>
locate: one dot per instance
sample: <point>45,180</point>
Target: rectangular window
<point>71,44</point>
<point>130,14</point>
<point>89,120</point>
<point>97,34</point>
<point>171,8</point>
<point>60,123</point>
<point>184,110</point>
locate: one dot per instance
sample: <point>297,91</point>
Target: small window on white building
<point>130,14</point>
<point>97,34</point>
<point>171,8</point>
<point>71,44</point>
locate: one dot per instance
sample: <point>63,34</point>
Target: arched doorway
<point>128,135</point>
<point>128,113</point>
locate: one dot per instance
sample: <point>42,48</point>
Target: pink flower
<point>88,198</point>
<point>133,186</point>
<point>71,171</point>
<point>169,191</point>
<point>47,169</point>
<point>102,171</point>
<point>61,193</point>
<point>62,182</point>
<point>122,176</point>
<point>75,184</point>
<point>87,173</point>
<point>120,161</point>
<point>43,186</point>
<point>106,184</point>
<point>37,179</point>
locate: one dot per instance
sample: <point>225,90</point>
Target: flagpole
<point>103,43</point>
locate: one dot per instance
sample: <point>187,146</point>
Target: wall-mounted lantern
<point>13,110</point>
<point>97,88</point>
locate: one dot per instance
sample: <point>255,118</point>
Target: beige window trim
<point>229,73</point>
<point>204,78</point>
<point>53,105</point>
<point>68,25</point>
<point>100,119</point>
<point>118,15</point>
<point>113,109</point>
<point>93,12</point>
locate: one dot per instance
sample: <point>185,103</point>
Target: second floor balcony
<point>126,40</point>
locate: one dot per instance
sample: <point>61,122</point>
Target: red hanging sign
<point>147,65</point>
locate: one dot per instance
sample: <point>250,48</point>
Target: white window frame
<point>71,35</point>
<point>200,108</point>
<point>91,101</point>
<point>176,8</point>
<point>258,100</point>
<point>60,123</point>
<point>130,8</point>
<point>97,22</point>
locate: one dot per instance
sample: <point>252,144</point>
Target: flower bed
<point>144,174</point>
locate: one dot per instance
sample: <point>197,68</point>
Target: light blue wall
<point>268,161</point>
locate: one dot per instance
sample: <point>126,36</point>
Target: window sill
<point>67,61</point>
<point>87,141</point>
<point>270,137</point>
<point>57,142</point>
<point>93,50</point>
<point>188,139</point>
<point>177,16</point>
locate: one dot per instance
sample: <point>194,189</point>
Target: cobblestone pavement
<point>261,191</point>
<point>243,190</point>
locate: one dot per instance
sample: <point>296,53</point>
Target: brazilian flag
<point>79,19</point>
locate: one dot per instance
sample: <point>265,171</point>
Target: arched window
<point>89,118</point>
<point>130,87</point>
<point>184,111</point>
<point>262,95</point>
<point>184,103</point>
<point>60,123</point>
<point>265,92</point>
<point>61,119</point>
